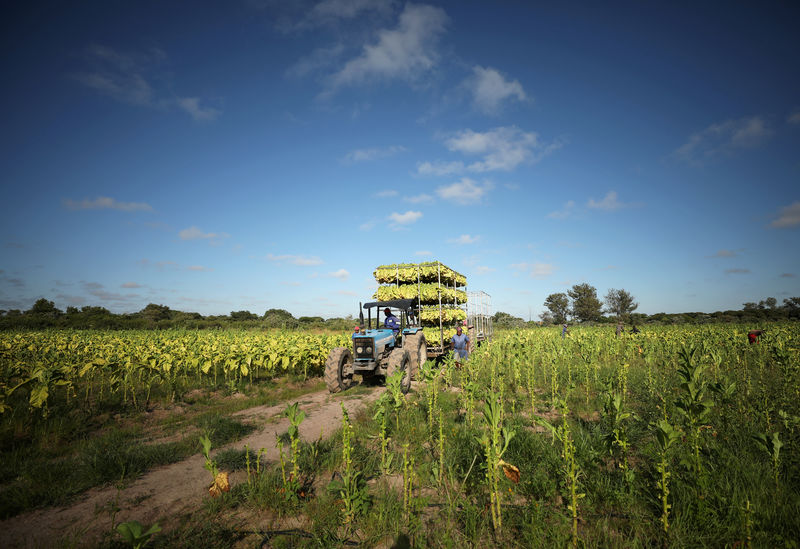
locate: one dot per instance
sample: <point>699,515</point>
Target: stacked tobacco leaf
<point>427,281</point>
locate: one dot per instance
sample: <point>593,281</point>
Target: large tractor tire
<point>339,370</point>
<point>400,360</point>
<point>418,349</point>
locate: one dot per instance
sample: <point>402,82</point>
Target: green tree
<point>243,315</point>
<point>505,320</point>
<point>621,303</point>
<point>558,304</point>
<point>43,307</point>
<point>585,305</point>
<point>156,312</point>
<point>279,318</point>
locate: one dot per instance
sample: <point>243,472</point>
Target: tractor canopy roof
<point>396,303</point>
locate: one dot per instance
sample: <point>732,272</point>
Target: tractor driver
<point>391,321</point>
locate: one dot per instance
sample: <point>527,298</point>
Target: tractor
<point>378,350</point>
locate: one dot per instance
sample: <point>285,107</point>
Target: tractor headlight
<point>369,349</point>
<point>359,350</point>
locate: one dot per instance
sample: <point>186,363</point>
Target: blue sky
<point>225,156</point>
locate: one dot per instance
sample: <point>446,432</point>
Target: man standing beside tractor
<point>460,345</point>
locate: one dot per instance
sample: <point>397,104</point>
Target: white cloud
<point>535,270</point>
<point>465,191</point>
<point>405,52</point>
<point>502,148</point>
<point>386,194</point>
<point>464,239</point>
<point>419,199</point>
<point>131,285</point>
<point>490,88</point>
<point>300,260</point>
<point>563,213</point>
<point>199,268</point>
<point>788,217</point>
<point>195,233</point>
<point>423,253</point>
<point>725,253</point>
<point>192,106</point>
<point>367,226</point>
<point>724,138</point>
<point>610,202</point>
<point>290,283</point>
<point>737,271</point>
<point>365,155</point>
<point>341,274</point>
<point>405,218</point>
<point>332,12</point>
<point>483,269</point>
<point>440,168</point>
<point>106,203</point>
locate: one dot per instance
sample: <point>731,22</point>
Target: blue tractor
<point>378,349</point>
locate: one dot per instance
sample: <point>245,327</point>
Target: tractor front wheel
<point>339,370</point>
<point>400,360</point>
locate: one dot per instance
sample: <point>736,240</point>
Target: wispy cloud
<point>405,52</point>
<point>419,199</point>
<point>200,113</point>
<point>131,285</point>
<point>789,216</point>
<point>440,168</point>
<point>366,155</point>
<point>347,293</point>
<point>737,271</point>
<point>794,117</point>
<point>535,270</point>
<point>464,239</point>
<point>609,202</point>
<point>195,233</point>
<point>199,268</point>
<point>423,253</point>
<point>724,138</point>
<point>787,275</point>
<point>563,213</point>
<point>106,203</point>
<point>466,191</point>
<point>483,269</point>
<point>403,219</point>
<point>390,193</point>
<point>341,274</point>
<point>137,78</point>
<point>98,291</point>
<point>500,149</point>
<point>490,89</point>
<point>300,260</point>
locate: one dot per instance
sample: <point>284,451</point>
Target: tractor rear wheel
<point>339,370</point>
<point>418,349</point>
<point>400,360</point>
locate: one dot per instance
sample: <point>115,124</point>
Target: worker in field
<point>391,321</point>
<point>356,331</point>
<point>460,343</point>
<point>564,331</point>
<point>753,335</point>
<point>620,329</point>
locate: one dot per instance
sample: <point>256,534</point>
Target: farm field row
<point>680,436</point>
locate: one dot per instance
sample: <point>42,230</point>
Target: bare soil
<point>168,492</point>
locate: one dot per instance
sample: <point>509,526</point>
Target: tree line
<point>581,304</point>
<point>44,314</point>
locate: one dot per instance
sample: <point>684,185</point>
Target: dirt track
<point>174,489</point>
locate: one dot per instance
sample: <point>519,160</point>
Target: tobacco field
<point>680,436</point>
